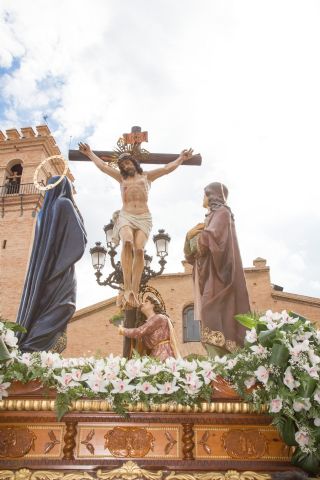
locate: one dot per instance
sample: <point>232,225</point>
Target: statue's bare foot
<point>131,299</point>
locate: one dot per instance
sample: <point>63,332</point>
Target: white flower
<point>304,336</point>
<point>251,335</point>
<point>289,381</point>
<point>207,372</point>
<point>299,347</point>
<point>146,387</point>
<point>167,388</point>
<point>95,381</point>
<point>275,405</point>
<point>313,371</point>
<point>316,395</point>
<point>50,360</point>
<point>76,374</point>
<point>249,382</point>
<point>262,374</point>
<point>301,404</point>
<point>121,386</point>
<point>192,383</point>
<point>66,379</point>
<point>317,422</point>
<point>259,350</point>
<point>231,363</point>
<point>270,319</point>
<point>190,366</point>
<point>302,438</point>
<point>111,373</point>
<point>134,368</point>
<point>174,366</point>
<point>220,360</point>
<point>26,358</point>
<point>3,387</point>
<point>314,359</point>
<point>155,368</point>
<point>10,339</point>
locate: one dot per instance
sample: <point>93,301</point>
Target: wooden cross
<point>136,137</point>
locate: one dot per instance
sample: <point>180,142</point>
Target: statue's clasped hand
<point>195,231</point>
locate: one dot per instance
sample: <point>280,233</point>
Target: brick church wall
<point>89,332</point>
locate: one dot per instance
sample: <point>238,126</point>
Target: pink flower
<point>259,349</point>
<point>251,336</point>
<point>262,374</point>
<point>167,388</point>
<point>289,381</point>
<point>302,438</point>
<point>302,404</point>
<point>275,405</point>
<point>249,382</point>
<point>3,388</point>
<point>146,387</point>
<point>121,386</point>
<point>316,396</point>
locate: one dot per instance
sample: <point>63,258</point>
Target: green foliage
<point>280,367</point>
<point>62,404</point>
<point>117,319</point>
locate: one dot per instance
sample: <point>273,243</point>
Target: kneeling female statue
<point>157,332</point>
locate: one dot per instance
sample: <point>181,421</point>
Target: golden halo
<point>58,166</point>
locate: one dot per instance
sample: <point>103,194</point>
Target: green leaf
<point>266,337</point>
<point>62,404</point>
<point>4,352</point>
<point>287,430</point>
<point>307,387</point>
<point>246,320</point>
<point>15,327</point>
<point>297,315</point>
<point>307,461</point>
<point>279,354</point>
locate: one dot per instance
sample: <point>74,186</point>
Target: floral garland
<point>118,380</point>
<point>279,366</point>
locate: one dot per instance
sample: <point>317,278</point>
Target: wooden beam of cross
<point>136,137</point>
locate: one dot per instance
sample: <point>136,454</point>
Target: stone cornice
<point>292,297</point>
<point>96,307</point>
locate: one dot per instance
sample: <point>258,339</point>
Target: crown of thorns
<point>125,150</point>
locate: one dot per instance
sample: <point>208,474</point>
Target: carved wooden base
<point>223,440</point>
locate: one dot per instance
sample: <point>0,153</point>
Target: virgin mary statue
<point>49,295</point>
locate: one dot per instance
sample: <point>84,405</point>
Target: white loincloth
<point>136,222</point>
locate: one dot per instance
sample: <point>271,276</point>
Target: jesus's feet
<point>127,300</point>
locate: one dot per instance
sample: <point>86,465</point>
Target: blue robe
<point>49,295</point>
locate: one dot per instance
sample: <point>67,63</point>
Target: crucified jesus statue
<point>133,222</point>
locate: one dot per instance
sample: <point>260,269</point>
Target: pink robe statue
<point>156,336</point>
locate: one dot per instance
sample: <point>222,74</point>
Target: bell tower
<point>20,154</point>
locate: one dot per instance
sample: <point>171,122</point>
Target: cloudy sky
<point>236,80</point>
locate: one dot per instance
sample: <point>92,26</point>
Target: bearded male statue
<point>133,222</point>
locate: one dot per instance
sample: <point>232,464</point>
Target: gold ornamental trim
<point>229,475</point>
<point>129,471</point>
<point>28,405</point>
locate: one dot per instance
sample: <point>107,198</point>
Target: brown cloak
<point>221,287</point>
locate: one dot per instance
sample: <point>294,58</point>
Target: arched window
<point>191,327</point>
<point>13,177</point>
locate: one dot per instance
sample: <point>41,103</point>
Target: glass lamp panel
<point>161,245</point>
<point>109,235</point>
